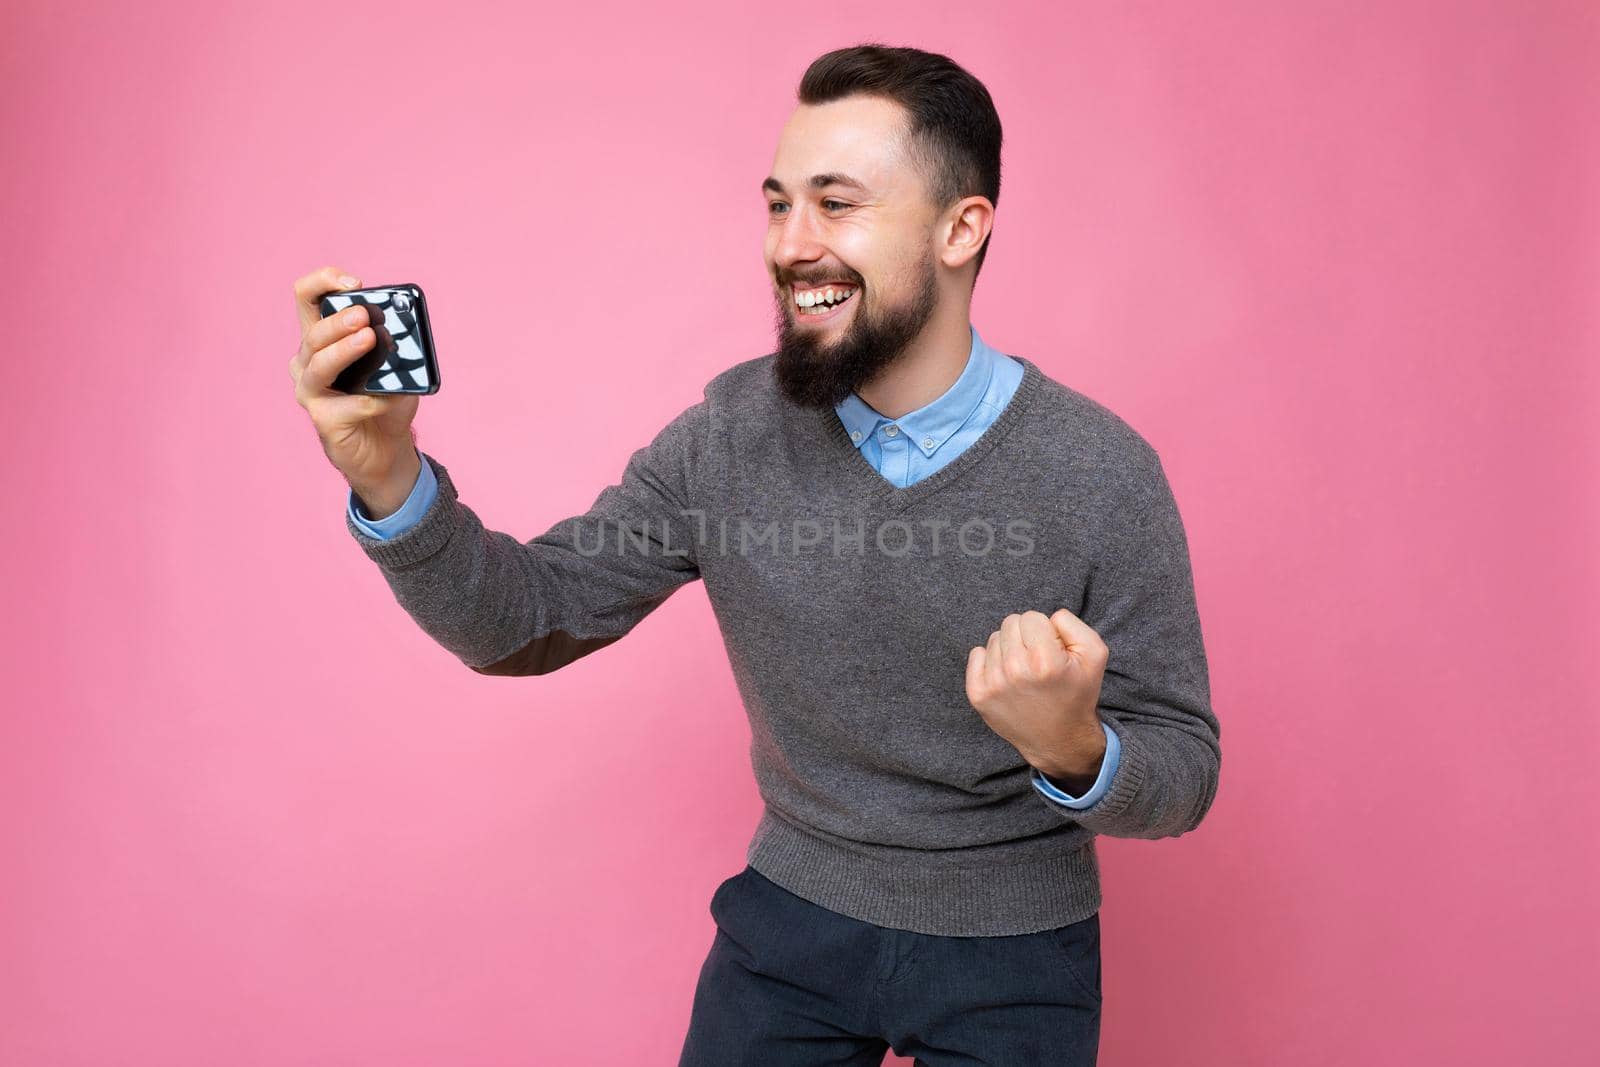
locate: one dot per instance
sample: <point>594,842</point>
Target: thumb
<point>1077,635</point>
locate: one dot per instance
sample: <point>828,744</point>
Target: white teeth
<point>813,297</point>
<point>813,304</point>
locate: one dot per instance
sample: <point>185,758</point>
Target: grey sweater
<point>886,795</point>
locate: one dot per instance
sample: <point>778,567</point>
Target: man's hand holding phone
<point>366,436</point>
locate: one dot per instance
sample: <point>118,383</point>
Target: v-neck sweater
<point>886,796</point>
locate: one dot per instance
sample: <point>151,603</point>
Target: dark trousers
<point>788,983</point>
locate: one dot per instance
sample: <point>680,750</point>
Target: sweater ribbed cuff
<point>1133,767</point>
<point>431,533</point>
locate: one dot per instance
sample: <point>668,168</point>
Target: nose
<point>798,241</point>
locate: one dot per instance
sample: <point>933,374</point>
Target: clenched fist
<point>367,437</point>
<point>1037,684</point>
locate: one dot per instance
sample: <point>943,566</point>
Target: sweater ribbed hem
<point>976,901</point>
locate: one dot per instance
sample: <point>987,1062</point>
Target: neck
<point>927,368</point>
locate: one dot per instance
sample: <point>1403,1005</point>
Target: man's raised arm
<point>507,607</point>
<point>1155,693</point>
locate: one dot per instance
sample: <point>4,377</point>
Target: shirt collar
<point>931,425</point>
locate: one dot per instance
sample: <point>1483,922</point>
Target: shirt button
<point>855,435</point>
<point>927,442</point>
<point>892,430</point>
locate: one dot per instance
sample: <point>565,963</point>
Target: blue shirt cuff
<point>410,513</point>
<point>1108,767</point>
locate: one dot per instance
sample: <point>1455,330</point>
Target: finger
<point>326,363</point>
<point>1011,634</point>
<point>312,287</point>
<point>1038,632</point>
<point>1040,649</point>
<point>993,668</point>
<point>1079,636</point>
<point>1016,651</point>
<point>975,657</point>
<point>325,332</point>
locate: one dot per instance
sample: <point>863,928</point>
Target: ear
<point>966,228</point>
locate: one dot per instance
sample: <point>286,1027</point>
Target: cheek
<point>856,248</point>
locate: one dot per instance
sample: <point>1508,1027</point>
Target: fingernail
<point>349,282</point>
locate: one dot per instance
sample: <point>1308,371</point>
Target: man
<point>955,594</point>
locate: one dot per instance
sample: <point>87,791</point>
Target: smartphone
<point>402,360</point>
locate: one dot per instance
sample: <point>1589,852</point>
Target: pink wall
<point>1339,268</point>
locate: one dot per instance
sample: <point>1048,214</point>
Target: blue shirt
<point>903,450</point>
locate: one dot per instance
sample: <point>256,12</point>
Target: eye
<point>779,203</point>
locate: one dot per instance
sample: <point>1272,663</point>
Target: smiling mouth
<point>823,312</point>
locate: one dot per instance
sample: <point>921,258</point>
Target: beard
<point>818,373</point>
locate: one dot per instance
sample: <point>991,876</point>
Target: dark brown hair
<point>954,130</point>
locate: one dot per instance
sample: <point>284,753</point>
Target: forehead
<point>860,136</point>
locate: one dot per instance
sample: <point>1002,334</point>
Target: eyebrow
<point>818,181</point>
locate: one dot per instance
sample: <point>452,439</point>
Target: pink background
<point>1338,265</point>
